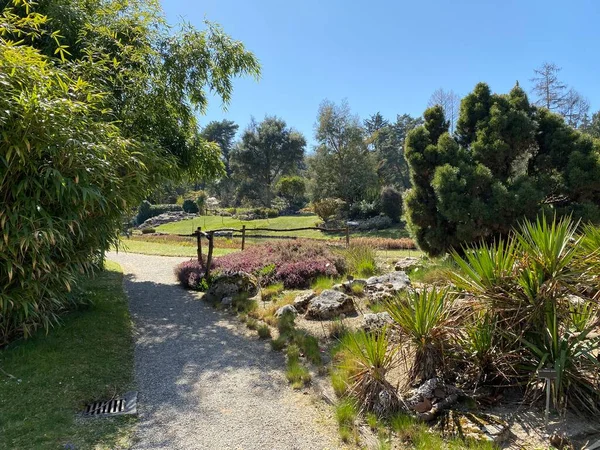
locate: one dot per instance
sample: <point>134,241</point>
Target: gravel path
<point>203,382</point>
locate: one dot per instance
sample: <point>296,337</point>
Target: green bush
<point>264,332</point>
<point>391,203</point>
<point>190,206</point>
<point>328,208</point>
<point>507,160</point>
<point>293,190</point>
<point>375,223</point>
<point>148,230</point>
<point>265,213</point>
<point>67,179</point>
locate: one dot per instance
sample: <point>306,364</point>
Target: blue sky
<point>390,56</point>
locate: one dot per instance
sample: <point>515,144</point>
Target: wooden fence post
<point>243,236</point>
<point>199,242</point>
<point>211,236</point>
<point>347,236</point>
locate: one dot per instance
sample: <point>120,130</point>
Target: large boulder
<point>384,287</point>
<point>328,305</point>
<point>231,285</point>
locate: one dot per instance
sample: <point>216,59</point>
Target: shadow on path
<point>203,383</point>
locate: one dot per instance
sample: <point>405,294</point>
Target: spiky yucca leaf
<point>550,246</point>
<point>486,268</point>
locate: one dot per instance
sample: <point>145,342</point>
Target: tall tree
<point>375,122</point>
<point>507,160</point>
<point>387,140</point>
<point>342,165</point>
<point>223,134</point>
<point>548,88</point>
<point>450,103</point>
<point>574,108</point>
<point>267,151</point>
<point>592,127</point>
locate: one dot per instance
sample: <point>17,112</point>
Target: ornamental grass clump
<point>361,260</point>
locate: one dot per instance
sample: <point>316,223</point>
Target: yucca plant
<point>371,358</point>
<point>588,257</point>
<point>525,283</point>
<point>574,358</point>
<point>478,343</point>
<point>425,318</point>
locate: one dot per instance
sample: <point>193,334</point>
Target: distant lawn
<point>166,249</point>
<point>89,357</point>
<point>146,245</point>
<point>215,222</point>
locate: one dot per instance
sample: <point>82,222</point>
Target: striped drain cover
<point>127,404</point>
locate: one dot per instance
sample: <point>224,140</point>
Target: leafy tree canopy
<point>507,160</point>
<point>342,165</point>
<point>155,78</point>
<point>267,151</point>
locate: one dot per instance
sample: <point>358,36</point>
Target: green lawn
<point>89,357</point>
<point>166,249</point>
<point>138,245</point>
<point>215,222</point>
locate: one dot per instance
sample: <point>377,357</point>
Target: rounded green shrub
<point>190,206</point>
<point>391,203</point>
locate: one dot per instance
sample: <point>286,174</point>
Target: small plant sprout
<point>264,332</point>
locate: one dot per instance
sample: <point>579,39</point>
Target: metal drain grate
<point>127,404</point>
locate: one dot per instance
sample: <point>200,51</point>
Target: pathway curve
<point>202,382</point>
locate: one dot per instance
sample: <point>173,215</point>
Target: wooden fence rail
<point>210,235</point>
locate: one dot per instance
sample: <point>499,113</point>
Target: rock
<point>375,322</point>
<point>328,305</point>
<point>301,302</point>
<point>231,285</point>
<point>227,301</point>
<point>385,287</point>
<point>422,406</point>
<point>475,426</point>
<point>393,280</point>
<point>439,394</point>
<point>406,263</point>
<point>287,309</point>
